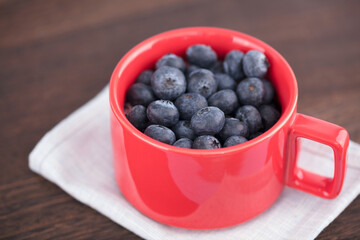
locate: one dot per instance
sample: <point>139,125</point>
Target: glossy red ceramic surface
<point>207,189</point>
<point>326,133</point>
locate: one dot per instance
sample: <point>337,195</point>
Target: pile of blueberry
<point>204,103</point>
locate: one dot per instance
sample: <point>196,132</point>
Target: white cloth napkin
<point>77,156</point>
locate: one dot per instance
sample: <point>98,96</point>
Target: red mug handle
<point>326,133</point>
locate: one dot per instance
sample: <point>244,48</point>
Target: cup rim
<point>119,114</point>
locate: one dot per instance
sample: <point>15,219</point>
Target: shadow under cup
<point>200,189</point>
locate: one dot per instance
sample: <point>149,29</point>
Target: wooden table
<point>56,55</point>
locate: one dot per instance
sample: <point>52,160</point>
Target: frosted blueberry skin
<point>202,81</point>
<point>269,91</point>
<point>183,129</point>
<point>217,67</point>
<point>162,112</point>
<point>189,103</point>
<point>209,83</point>
<point>226,100</point>
<point>168,83</point>
<point>145,77</point>
<point>224,81</point>
<point>251,91</point>
<point>171,60</point>
<point>234,140</point>
<point>208,121</point>
<point>255,64</point>
<point>206,142</point>
<point>190,69</point>
<point>233,127</point>
<point>184,143</point>
<point>160,133</point>
<point>201,55</point>
<point>140,94</point>
<point>269,116</point>
<point>251,117</point>
<point>137,116</point>
<point>127,108</point>
<point>233,64</point>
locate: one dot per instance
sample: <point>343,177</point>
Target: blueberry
<point>234,140</point>
<point>206,142</point>
<point>224,81</point>
<point>140,94</point>
<point>190,69</point>
<point>145,77</point>
<point>189,103</point>
<point>168,83</point>
<point>137,116</point>
<point>254,135</point>
<point>201,55</point>
<point>160,133</point>
<point>255,64</point>
<point>202,81</point>
<point>269,115</point>
<point>269,91</point>
<point>233,127</point>
<point>251,117</point>
<point>184,143</point>
<point>233,64</point>
<point>127,108</point>
<point>163,112</point>
<point>171,60</point>
<point>208,121</point>
<point>183,130</point>
<point>217,67</point>
<point>226,100</point>
<point>251,91</point>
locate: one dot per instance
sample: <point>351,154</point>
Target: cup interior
<point>144,56</point>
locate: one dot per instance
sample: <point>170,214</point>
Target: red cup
<point>208,189</point>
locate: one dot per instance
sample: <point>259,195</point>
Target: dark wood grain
<point>56,55</point>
